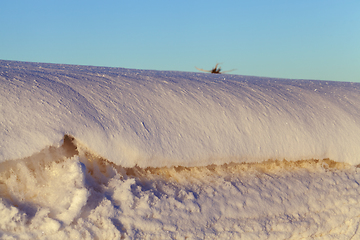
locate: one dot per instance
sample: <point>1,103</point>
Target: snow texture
<point>110,153</point>
<point>51,196</point>
<point>156,119</point>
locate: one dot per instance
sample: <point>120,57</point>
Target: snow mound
<point>157,119</point>
<point>110,153</point>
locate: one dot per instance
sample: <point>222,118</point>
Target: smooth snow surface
<point>156,119</point>
<point>110,153</point>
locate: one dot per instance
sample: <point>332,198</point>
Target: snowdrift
<point>110,153</point>
<point>156,119</point>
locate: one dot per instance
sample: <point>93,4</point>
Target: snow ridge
<point>110,153</point>
<point>155,119</point>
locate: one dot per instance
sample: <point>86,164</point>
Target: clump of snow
<point>55,183</point>
<point>155,119</point>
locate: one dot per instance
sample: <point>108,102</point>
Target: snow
<point>151,118</point>
<point>109,153</point>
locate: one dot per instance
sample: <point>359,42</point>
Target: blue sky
<point>308,39</point>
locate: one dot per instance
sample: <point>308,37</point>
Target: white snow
<point>111,153</point>
<point>150,118</point>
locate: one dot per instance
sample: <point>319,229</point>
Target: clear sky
<point>307,39</point>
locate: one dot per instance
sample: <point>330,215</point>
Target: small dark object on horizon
<point>216,70</point>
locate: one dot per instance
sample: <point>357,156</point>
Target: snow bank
<point>109,153</point>
<point>155,119</point>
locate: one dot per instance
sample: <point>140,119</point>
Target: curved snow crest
<point>155,118</point>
